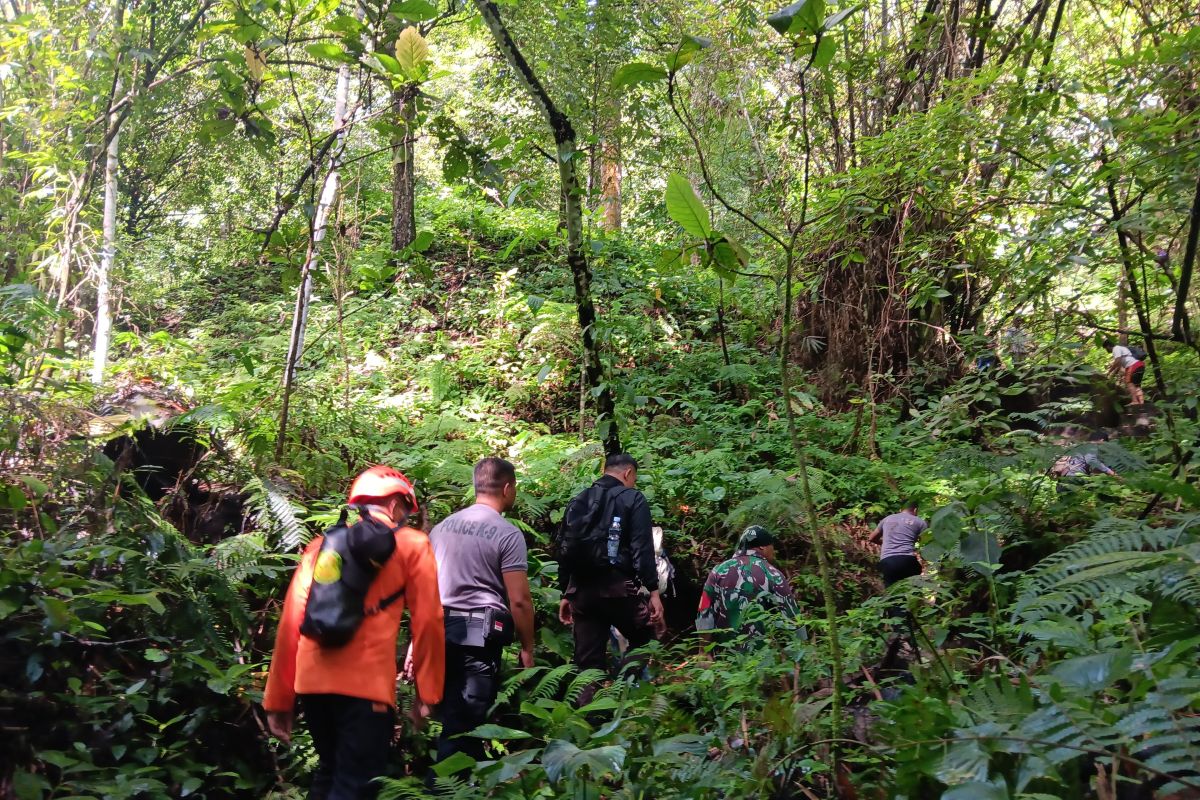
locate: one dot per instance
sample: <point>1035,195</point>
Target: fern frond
<point>580,682</point>
<point>1180,580</point>
<point>549,683</point>
<point>1119,555</point>
<point>239,557</point>
<point>1067,736</point>
<point>1164,741</point>
<point>514,683</point>
<point>995,698</point>
<point>1123,461</point>
<point>659,708</point>
<point>277,513</point>
<point>414,789</point>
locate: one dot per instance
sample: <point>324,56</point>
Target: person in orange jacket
<point>348,694</point>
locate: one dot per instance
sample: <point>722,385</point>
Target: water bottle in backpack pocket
<point>614,542</point>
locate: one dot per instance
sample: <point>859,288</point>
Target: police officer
<point>484,584</point>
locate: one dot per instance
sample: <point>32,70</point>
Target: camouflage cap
<point>754,536</point>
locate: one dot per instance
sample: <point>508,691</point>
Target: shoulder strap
<point>384,602</point>
<point>593,499</point>
<point>607,504</point>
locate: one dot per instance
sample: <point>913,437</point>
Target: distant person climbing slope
<point>898,534</point>
<point>347,691</point>
<point>1073,467</point>
<point>741,589</point>
<point>607,570</point>
<point>1130,364</point>
<point>988,360</point>
<point>1017,341</point>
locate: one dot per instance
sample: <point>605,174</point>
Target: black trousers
<point>353,738</point>
<point>472,683</point>
<point>897,568</point>
<point>595,610</point>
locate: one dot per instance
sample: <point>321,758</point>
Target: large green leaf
<point>562,758</point>
<point>981,550</point>
<point>833,20</point>
<point>115,597</point>
<point>637,72</point>
<point>669,259</point>
<point>728,257</point>
<point>802,17</point>
<point>412,53</point>
<point>1095,672</point>
<point>328,51</point>
<point>509,767</point>
<point>977,790</point>
<point>422,242</point>
<point>490,731</point>
<point>964,761</point>
<point>57,613</point>
<point>414,10</point>
<point>346,25</point>
<point>320,10</point>
<point>689,47</point>
<point>691,743</point>
<point>1158,483</point>
<point>458,762</point>
<point>826,48</point>
<point>383,64</point>
<point>685,207</point>
<point>945,529</point>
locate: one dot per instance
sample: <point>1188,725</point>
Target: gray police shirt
<point>900,532</point>
<point>474,548</point>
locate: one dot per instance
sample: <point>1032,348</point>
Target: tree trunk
<point>1122,313</point>
<point>1135,296</point>
<point>108,253</point>
<point>320,220</point>
<point>1180,326</point>
<point>568,173</point>
<point>404,219</point>
<point>102,334</point>
<point>610,179</point>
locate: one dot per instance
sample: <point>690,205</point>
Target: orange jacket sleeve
<point>280,694</point>
<point>425,620</point>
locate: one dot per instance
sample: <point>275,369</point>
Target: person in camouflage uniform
<point>748,579</point>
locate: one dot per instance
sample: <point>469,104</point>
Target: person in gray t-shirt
<point>482,569</point>
<point>898,534</point>
<point>474,548</point>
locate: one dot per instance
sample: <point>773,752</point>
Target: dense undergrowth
<point>1053,650</point>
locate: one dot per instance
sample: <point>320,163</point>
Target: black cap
<point>754,536</point>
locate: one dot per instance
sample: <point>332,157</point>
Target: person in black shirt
<point>621,592</point>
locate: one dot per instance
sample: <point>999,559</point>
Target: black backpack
<point>350,558</point>
<point>582,540</point>
<point>1137,352</point>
